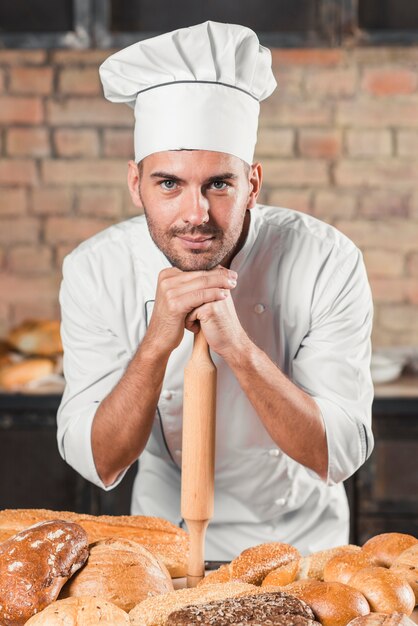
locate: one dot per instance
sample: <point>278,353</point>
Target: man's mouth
<point>196,243</point>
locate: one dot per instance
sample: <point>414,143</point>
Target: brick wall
<point>338,139</point>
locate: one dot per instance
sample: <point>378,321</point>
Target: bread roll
<point>165,540</point>
<point>385,591</point>
<point>382,619</point>
<point>253,564</point>
<point>38,337</point>
<point>105,574</point>
<point>333,604</point>
<point>35,564</point>
<point>282,575</point>
<point>16,375</point>
<point>385,548</point>
<point>406,565</point>
<point>341,568</point>
<point>87,611</point>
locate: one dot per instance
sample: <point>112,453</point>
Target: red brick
<point>52,200</point>
<point>290,81</point>
<point>407,142</point>
<point>30,259</point>
<point>331,205</point>
<point>17,172</point>
<point>384,55</point>
<point>298,200</point>
<point>369,143</point>
<point>17,289</point>
<point>378,113</point>
<point>319,143</point>
<point>31,80</point>
<point>399,317</point>
<point>85,172</point>
<point>411,289</point>
<point>295,172</point>
<point>387,289</point>
<point>13,201</point>
<point>100,202</point>
<point>389,81</point>
<point>398,235</point>
<point>2,81</point>
<point>80,80</point>
<point>61,251</point>
<point>302,56</point>
<point>32,142</point>
<point>381,204</point>
<point>22,57</point>
<point>389,172</point>
<point>128,207</point>
<point>20,230</point>
<point>305,113</point>
<point>76,143</point>
<point>88,112</point>
<point>413,207</point>
<point>5,318</point>
<point>80,57</point>
<point>67,229</point>
<point>340,83</point>
<point>384,263</point>
<point>44,309</point>
<point>412,264</point>
<point>17,110</point>
<point>275,142</point>
<point>118,143</point>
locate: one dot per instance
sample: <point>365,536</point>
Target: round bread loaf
<point>382,619</point>
<point>87,611</point>
<point>406,565</point>
<point>15,375</point>
<point>282,575</point>
<point>105,574</point>
<point>333,604</point>
<point>341,568</point>
<point>385,548</point>
<point>38,337</point>
<point>385,591</point>
<point>270,608</point>
<point>35,564</point>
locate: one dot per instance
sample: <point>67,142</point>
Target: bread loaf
<point>86,611</point>
<point>385,591</point>
<point>385,548</point>
<point>35,564</point>
<point>333,604</point>
<point>36,337</point>
<point>382,619</point>
<point>15,375</point>
<point>253,564</point>
<point>341,568</point>
<point>168,542</point>
<point>282,575</point>
<point>406,566</point>
<point>277,608</point>
<point>120,571</point>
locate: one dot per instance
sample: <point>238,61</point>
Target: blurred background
<point>338,139</point>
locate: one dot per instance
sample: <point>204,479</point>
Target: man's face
<point>195,204</point>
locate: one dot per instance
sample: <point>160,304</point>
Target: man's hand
<point>181,293</point>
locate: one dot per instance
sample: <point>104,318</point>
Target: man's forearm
<point>122,423</point>
<point>291,416</point>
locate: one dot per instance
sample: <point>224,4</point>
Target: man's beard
<point>193,260</point>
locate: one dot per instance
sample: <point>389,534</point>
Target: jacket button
<point>259,308</point>
<point>274,452</point>
<point>166,394</point>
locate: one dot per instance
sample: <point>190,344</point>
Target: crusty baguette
<point>162,538</point>
<point>35,564</point>
<point>120,571</point>
<point>87,611</point>
<point>386,547</point>
<point>406,565</point>
<point>382,619</point>
<point>385,591</point>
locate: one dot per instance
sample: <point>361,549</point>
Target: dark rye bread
<point>253,609</point>
<point>35,564</point>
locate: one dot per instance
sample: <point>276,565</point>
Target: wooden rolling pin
<point>198,456</point>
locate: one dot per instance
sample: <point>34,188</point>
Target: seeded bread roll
<point>270,608</point>
<point>333,604</point>
<point>382,619</point>
<point>406,565</point>
<point>35,564</point>
<point>86,611</point>
<point>282,575</point>
<point>38,337</point>
<point>341,568</point>
<point>385,591</point>
<point>120,571</point>
<point>385,548</point>
<point>253,564</point>
<point>167,541</point>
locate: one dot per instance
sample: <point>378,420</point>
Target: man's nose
<point>195,208</point>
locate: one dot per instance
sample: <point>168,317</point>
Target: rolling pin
<point>198,456</point>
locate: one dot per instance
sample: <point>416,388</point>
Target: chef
<point>282,299</point>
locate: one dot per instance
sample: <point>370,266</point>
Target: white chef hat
<point>197,88</point>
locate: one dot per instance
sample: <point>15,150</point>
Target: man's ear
<point>133,184</point>
<point>255,180</point>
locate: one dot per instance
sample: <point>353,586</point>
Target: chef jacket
<point>304,299</point>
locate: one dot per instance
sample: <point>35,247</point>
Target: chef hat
<point>197,88</point>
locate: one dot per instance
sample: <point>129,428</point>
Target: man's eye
<point>219,184</point>
<point>168,184</point>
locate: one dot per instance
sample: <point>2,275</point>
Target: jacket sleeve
<point>333,363</point>
<point>94,361</point>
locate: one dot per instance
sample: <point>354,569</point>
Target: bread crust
<point>342,567</point>
<point>406,566</point>
<point>85,611</point>
<point>385,591</point>
<point>36,337</point>
<point>382,619</point>
<point>15,375</point>
<point>386,547</point>
<point>35,564</point>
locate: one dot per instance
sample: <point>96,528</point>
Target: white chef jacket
<point>302,297</point>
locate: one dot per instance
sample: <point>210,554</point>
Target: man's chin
<point>194,261</point>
